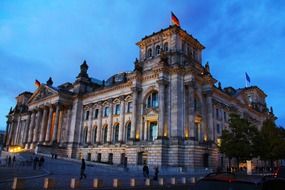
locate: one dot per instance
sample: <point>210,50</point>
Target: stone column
<point>122,120</point>
<point>135,91</point>
<point>110,124</point>
<point>99,127</point>
<point>89,125</point>
<point>145,130</point>
<point>43,125</point>
<point>68,123</point>
<point>31,127</point>
<point>47,137</point>
<point>55,128</point>
<point>161,86</point>
<point>18,131</point>
<point>37,126</point>
<point>210,118</point>
<point>26,133</point>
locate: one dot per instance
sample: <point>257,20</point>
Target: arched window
<point>94,134</point>
<point>165,46</point>
<point>116,133</point>
<point>149,52</point>
<point>85,132</point>
<point>152,100</point>
<point>157,50</point>
<point>105,132</point>
<point>128,131</point>
<point>153,130</point>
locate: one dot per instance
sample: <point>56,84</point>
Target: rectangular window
<point>96,113</point>
<point>117,109</point>
<point>218,129</point>
<point>86,115</point>
<point>225,116</point>
<point>155,100</point>
<point>217,113</point>
<point>106,111</point>
<point>129,107</point>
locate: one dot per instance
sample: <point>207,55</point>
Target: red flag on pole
<point>37,83</point>
<point>174,19</point>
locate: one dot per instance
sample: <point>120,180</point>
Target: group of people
<point>38,162</point>
<point>11,161</point>
<point>146,172</point>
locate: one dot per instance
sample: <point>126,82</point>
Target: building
<point>166,112</point>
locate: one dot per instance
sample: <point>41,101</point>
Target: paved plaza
<point>62,170</point>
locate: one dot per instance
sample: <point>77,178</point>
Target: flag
<point>37,83</point>
<point>174,19</point>
<point>247,77</point>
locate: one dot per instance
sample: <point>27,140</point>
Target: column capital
<point>162,82</point>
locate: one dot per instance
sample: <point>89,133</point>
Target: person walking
<point>145,171</point>
<point>156,171</point>
<point>41,162</point>
<point>9,161</point>
<point>14,161</point>
<point>82,169</point>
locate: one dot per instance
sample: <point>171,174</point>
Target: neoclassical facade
<point>167,112</point>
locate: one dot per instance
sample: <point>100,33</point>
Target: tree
<point>272,146</point>
<point>239,141</point>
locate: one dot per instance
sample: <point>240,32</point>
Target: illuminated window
<point>152,100</point>
<point>153,130</point>
<point>157,50</point>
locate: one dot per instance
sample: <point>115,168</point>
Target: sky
<point>41,39</point>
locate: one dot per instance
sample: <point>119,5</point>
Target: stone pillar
<point>31,127</point>
<point>18,131</point>
<point>110,124</point>
<point>47,137</point>
<point>55,128</point>
<point>26,133</point>
<point>145,130</point>
<point>135,91</point>
<point>68,119</point>
<point>209,118</point>
<point>89,125</point>
<point>43,125</point>
<point>122,120</point>
<point>99,127</point>
<point>37,126</point>
<point>161,130</point>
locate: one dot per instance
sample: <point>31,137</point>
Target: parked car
<point>229,181</point>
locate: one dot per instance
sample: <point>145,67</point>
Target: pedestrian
<point>41,162</point>
<point>82,169</point>
<point>14,161</point>
<point>9,161</point>
<point>156,171</point>
<point>35,162</point>
<point>145,171</point>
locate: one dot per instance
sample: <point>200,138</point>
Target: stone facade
<point>167,112</point>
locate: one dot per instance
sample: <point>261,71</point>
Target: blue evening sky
<point>40,38</point>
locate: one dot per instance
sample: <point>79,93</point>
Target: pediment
<point>151,112</point>
<point>42,93</point>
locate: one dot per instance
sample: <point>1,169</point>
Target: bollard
<point>160,181</point>
<point>97,183</point>
<point>48,183</point>
<point>192,180</point>
<point>183,180</point>
<point>17,183</point>
<point>117,183</point>
<point>172,181</point>
<point>147,182</point>
<point>74,183</point>
<point>133,182</point>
